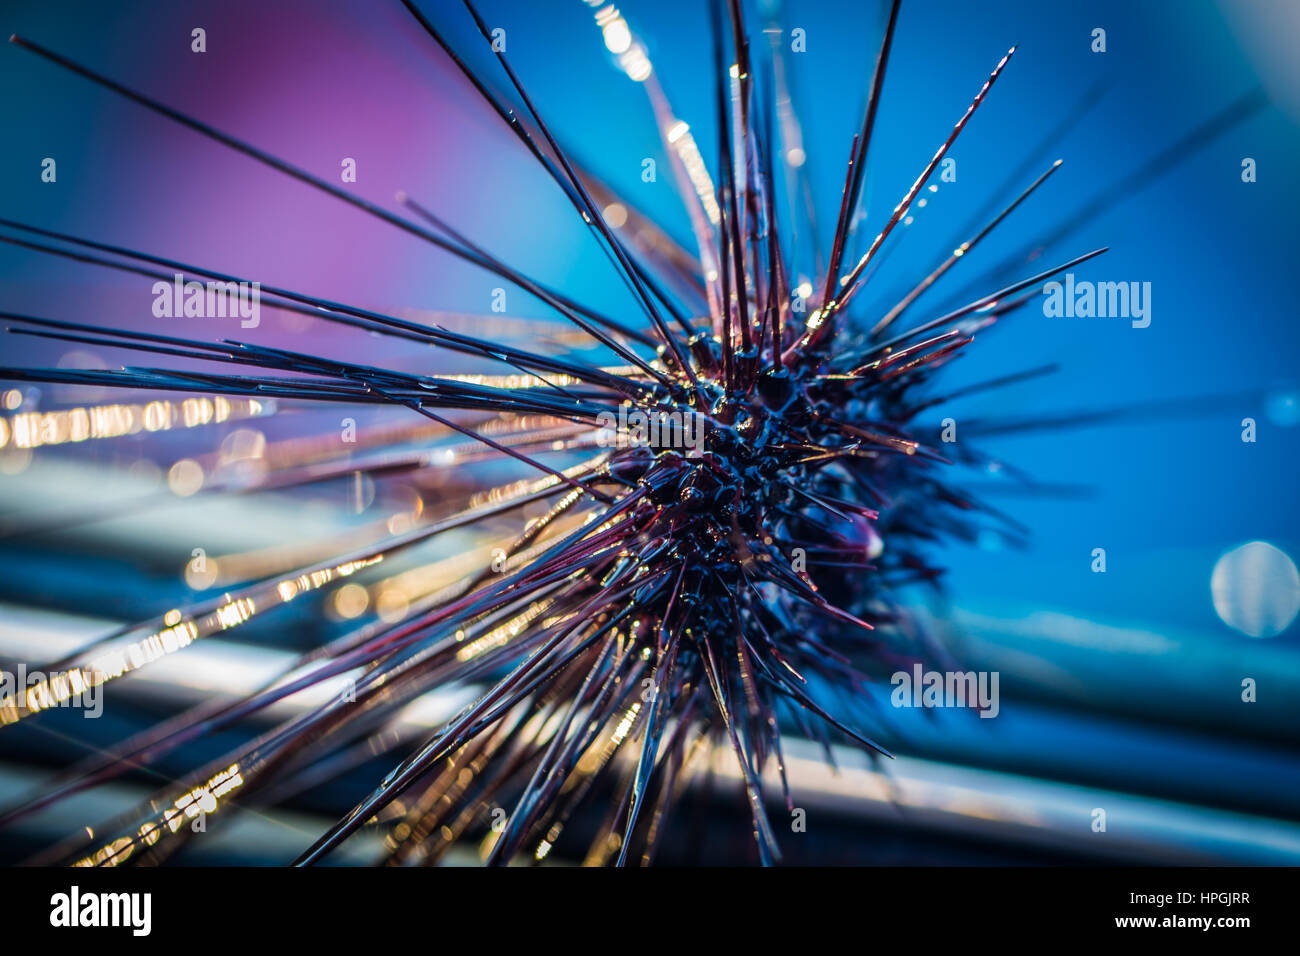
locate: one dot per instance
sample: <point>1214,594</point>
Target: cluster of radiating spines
<point>669,600</point>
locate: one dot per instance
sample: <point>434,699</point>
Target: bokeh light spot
<point>1256,589</point>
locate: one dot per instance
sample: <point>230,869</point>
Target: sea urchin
<point>760,487</point>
